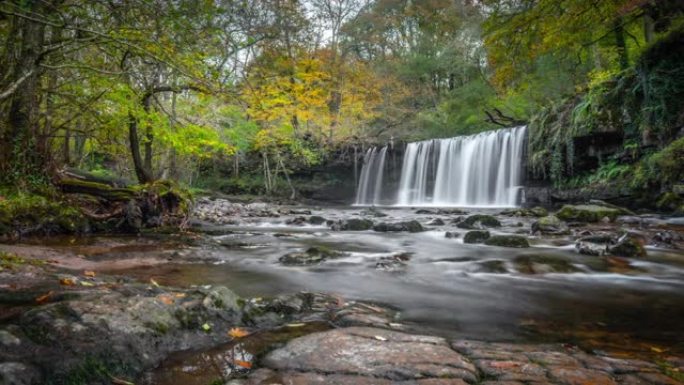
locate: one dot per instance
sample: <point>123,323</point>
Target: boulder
<point>628,246</point>
<point>507,241</point>
<point>479,221</point>
<point>410,226</point>
<point>542,264</point>
<point>476,236</point>
<point>550,225</point>
<point>451,234</point>
<point>436,222</point>
<point>587,213</point>
<point>353,224</point>
<point>316,220</point>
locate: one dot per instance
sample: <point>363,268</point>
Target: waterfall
<point>369,191</point>
<point>477,170</point>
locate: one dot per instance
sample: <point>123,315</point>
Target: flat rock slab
<point>370,355</point>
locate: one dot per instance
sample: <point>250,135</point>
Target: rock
<point>410,226</point>
<point>587,213</point>
<point>507,241</point>
<point>353,224</point>
<point>316,220</point>
<point>221,298</point>
<point>539,211</point>
<point>373,212</point>
<point>579,376</point>
<point>676,221</point>
<point>479,221</point>
<point>543,264</point>
<point>595,245</point>
<point>550,225</point>
<point>628,246</point>
<point>667,237</point>
<point>476,236</point>
<point>436,222</point>
<point>494,266</point>
<point>451,234</point>
<point>296,221</point>
<point>371,353</point>
<point>395,262</point>
<point>522,212</point>
<point>8,340</point>
<point>311,256</point>
<point>425,211</point>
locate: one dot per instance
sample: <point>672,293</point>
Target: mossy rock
<point>410,226</point>
<point>311,256</point>
<point>494,266</point>
<point>356,224</point>
<point>550,224</point>
<point>541,264</point>
<point>515,241</point>
<point>629,247</point>
<point>587,213</point>
<point>316,220</point>
<point>476,236</point>
<point>479,221</point>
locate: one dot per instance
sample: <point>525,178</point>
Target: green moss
<point>478,221</point>
<point>476,236</point>
<point>587,213</point>
<point>535,264</point>
<point>515,241</point>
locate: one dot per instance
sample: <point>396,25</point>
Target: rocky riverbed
<point>261,293</point>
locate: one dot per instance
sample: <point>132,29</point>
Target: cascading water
<point>369,191</point>
<point>477,170</point>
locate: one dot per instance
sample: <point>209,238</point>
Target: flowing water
<point>466,171</point>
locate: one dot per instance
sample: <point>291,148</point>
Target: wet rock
<point>539,211</point>
<point>522,212</point>
<point>550,225</point>
<point>587,213</point>
<point>410,226</point>
<point>297,212</point>
<point>451,234</point>
<point>676,221</point>
<point>395,262</point>
<point>542,264</point>
<point>436,222</point>
<point>595,244</point>
<point>507,241</point>
<point>667,238</point>
<point>8,340</point>
<point>221,298</point>
<point>353,224</point>
<point>494,266</point>
<point>298,221</point>
<point>316,220</point>
<point>479,221</point>
<point>476,236</point>
<point>426,211</point>
<point>369,352</point>
<point>628,246</point>
<point>311,256</point>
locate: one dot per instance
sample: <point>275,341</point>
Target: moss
<point>515,241</point>
<point>587,213</point>
<point>476,236</point>
<point>25,213</point>
<point>479,221</point>
<point>535,264</point>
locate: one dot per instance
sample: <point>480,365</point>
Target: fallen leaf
<point>89,273</point>
<point>152,281</point>
<point>45,297</point>
<point>86,283</point>
<point>380,338</point>
<point>238,333</point>
<point>657,349</point>
<point>295,325</point>
<point>179,295</point>
<point>206,327</point>
<point>67,282</point>
<point>244,364</point>
<point>166,299</point>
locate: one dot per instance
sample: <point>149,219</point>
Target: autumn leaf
<point>657,349</point>
<point>206,327</point>
<point>118,381</point>
<point>238,333</point>
<point>244,364</point>
<point>86,283</point>
<point>295,325</point>
<point>166,299</point>
<point>179,295</point>
<point>89,273</point>
<point>380,338</point>
<point>152,281</point>
<point>67,282</point>
<point>45,297</point>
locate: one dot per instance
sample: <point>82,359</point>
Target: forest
<point>213,192</point>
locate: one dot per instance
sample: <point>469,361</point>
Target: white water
<point>369,191</point>
<point>476,170</point>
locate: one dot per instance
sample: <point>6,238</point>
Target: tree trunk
<point>143,174</point>
<point>18,145</point>
<point>621,44</point>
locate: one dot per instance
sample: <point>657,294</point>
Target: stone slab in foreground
<point>365,355</point>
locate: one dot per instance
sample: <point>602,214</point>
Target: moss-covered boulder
<point>316,220</point>
<point>587,213</point>
<point>515,241</point>
<point>476,236</point>
<point>410,226</point>
<point>550,225</point>
<point>479,221</point>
